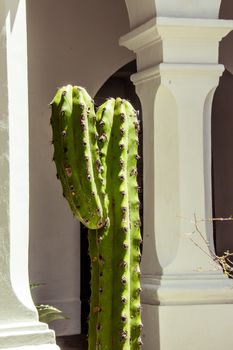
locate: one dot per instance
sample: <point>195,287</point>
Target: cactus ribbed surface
<point>76,154</point>
<point>114,248</point>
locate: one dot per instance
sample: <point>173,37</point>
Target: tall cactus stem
<point>94,302</point>
<point>119,323</point>
<point>96,158</point>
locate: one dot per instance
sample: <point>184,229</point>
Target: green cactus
<point>114,248</point>
<point>76,154</point>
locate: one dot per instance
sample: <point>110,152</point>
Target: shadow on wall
<point>11,8</point>
<point>222,141</point>
<point>226,9</point>
<point>226,47</point>
<point>222,151</point>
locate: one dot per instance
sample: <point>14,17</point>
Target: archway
<point>222,167</point>
<point>222,142</point>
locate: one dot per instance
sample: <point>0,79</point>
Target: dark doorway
<point>222,164</point>
<point>119,84</point>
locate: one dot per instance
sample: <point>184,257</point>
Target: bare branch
<point>224,261</point>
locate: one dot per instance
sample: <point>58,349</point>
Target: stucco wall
<point>68,42</point>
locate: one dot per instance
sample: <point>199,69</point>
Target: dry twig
<point>225,260</point>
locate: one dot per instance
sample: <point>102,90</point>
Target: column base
<point>187,327</point>
<point>27,336</point>
<point>187,311</point>
<point>187,289</point>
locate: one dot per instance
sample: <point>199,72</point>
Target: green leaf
<point>36,285</point>
<point>48,313</point>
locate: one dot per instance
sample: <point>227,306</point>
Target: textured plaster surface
<point>178,72</point>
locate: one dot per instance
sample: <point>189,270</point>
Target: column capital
<point>176,40</point>
<point>139,14</point>
<point>166,71</point>
<point>176,79</point>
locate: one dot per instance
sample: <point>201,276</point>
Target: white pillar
<point>19,325</point>
<point>187,302</point>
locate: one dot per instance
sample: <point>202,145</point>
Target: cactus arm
<point>73,156</point>
<point>94,155</point>
<point>59,119</point>
<point>83,129</point>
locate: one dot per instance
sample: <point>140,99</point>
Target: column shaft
<point>19,325</point>
<point>184,290</point>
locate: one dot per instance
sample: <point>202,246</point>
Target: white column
<point>187,301</point>
<point>19,325</point>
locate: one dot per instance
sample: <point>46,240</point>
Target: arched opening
<point>222,142</point>
<point>222,163</point>
<point>119,84</point>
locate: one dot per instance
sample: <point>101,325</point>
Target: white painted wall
<point>19,324</point>
<point>68,42</point>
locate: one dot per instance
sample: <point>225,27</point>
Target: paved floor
<point>72,342</point>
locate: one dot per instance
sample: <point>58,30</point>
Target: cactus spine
<point>114,234</point>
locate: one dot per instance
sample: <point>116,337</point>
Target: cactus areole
<point>96,157</point>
